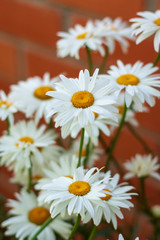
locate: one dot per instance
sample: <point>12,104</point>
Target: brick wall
<point>28,47</point>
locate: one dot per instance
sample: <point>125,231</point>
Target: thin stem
<point>101,68</point>
<point>29,177</point>
<point>143,196</point>
<point>75,227</point>
<point>87,152</point>
<point>8,126</point>
<point>43,226</point>
<point>113,144</point>
<point>94,229</point>
<point>157,59</point>
<point>139,138</point>
<point>89,59</point>
<point>50,124</point>
<point>80,148</point>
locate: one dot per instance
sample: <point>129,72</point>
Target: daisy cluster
<point>64,184</point>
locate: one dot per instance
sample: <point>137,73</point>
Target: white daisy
<point>116,197</point>
<point>28,216</point>
<point>76,196</point>
<point>112,31</point>
<point>81,98</point>
<point>24,144</point>
<point>7,107</point>
<point>122,238</point>
<point>30,95</point>
<point>142,166</point>
<point>79,37</point>
<point>147,25</point>
<point>92,130</point>
<point>137,81</point>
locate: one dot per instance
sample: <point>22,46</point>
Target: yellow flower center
<point>79,188</point>
<point>38,215</point>
<point>96,114</point>
<point>40,92</point>
<point>82,99</point>
<point>157,21</point>
<point>82,35</point>
<point>107,196</point>
<point>121,109</point>
<point>113,28</point>
<point>6,103</point>
<point>36,178</point>
<point>69,176</point>
<point>128,79</point>
<point>83,154</point>
<point>26,140</point>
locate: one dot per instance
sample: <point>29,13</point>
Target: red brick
<point>29,21</point>
<point>115,8</point>
<point>158,5</point>
<point>150,119</point>
<point>38,64</point>
<point>8,59</point>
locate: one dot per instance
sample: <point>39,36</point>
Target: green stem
<point>80,148</point>
<point>29,178</point>
<point>113,144</point>
<point>89,59</point>
<point>8,127</point>
<point>50,124</point>
<point>143,196</point>
<point>139,138</point>
<point>43,226</point>
<point>75,227</point>
<point>157,59</point>
<point>94,229</point>
<point>104,60</point>
<point>87,152</point>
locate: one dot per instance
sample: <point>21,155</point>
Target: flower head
<point>137,81</point>
<point>142,166</point>
<point>24,145</point>
<point>116,197</point>
<point>147,25</point>
<point>28,218</point>
<point>76,195</point>
<point>7,107</point>
<point>112,31</point>
<point>30,96</point>
<point>79,37</point>
<point>81,98</point>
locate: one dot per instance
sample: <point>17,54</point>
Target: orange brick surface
<point>114,8</point>
<point>34,22</point>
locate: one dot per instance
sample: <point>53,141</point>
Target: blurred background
<point>28,38</point>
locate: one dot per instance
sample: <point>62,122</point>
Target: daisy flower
<point>30,96</point>
<point>122,238</point>
<point>28,216</point>
<point>76,195</point>
<point>7,107</point>
<point>92,130</point>
<point>116,197</point>
<point>24,144</point>
<point>147,25</point>
<point>142,166</point>
<point>81,98</point>
<point>112,31</point>
<point>76,38</point>
<point>137,81</point>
